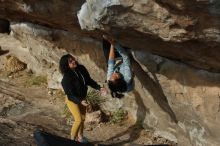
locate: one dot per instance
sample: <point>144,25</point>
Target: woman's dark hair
<point>64,63</point>
<point>117,87</point>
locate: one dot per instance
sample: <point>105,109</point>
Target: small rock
<point>89,129</point>
<point>50,92</point>
<point>94,117</point>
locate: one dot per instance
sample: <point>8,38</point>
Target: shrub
<point>68,115</point>
<point>117,116</point>
<point>95,99</point>
<point>36,80</point>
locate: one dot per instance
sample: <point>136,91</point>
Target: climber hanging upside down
<point>119,73</point>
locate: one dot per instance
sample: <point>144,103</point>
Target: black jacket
<point>75,84</point>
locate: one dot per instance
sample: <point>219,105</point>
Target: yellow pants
<point>78,111</point>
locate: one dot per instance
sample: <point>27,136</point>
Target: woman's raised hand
<point>103,92</point>
<point>84,103</point>
<point>109,39</point>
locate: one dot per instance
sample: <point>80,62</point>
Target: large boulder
<point>175,45</point>
<point>181,29</point>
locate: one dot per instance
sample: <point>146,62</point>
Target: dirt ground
<point>25,107</point>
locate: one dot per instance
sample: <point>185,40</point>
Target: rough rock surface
<point>41,48</point>
<point>171,97</point>
<point>165,92</point>
<point>25,109</point>
<point>180,29</point>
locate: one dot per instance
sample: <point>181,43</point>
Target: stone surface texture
<point>175,48</point>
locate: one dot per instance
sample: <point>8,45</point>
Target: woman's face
<point>72,62</point>
<point>115,76</point>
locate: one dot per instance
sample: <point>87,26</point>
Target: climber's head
<point>117,84</point>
